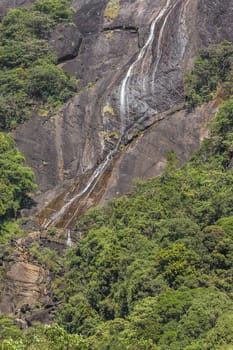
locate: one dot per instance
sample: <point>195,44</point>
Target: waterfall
<point>144,54</point>
<point>69,242</point>
<point>141,57</point>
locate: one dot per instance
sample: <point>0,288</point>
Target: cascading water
<point>69,242</point>
<point>142,72</point>
<point>133,69</point>
<point>91,183</point>
<point>126,85</point>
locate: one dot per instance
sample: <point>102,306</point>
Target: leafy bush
<point>59,10</point>
<point>47,257</point>
<point>214,66</point>
<point>49,83</point>
<point>41,337</point>
<point>217,150</point>
<point>25,23</point>
<point>16,180</point>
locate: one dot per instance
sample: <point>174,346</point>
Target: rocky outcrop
<point>130,65</point>
<point>65,40</point>
<point>26,284</point>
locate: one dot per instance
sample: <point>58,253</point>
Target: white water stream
<point>69,242</point>
<point>142,56</point>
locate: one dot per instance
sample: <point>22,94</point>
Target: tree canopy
<point>29,76</point>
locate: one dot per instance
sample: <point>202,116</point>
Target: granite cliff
<point>130,59</point>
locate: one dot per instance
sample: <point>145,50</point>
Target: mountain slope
<point>152,269</point>
<point>130,68</point>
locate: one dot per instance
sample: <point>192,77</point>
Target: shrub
<point>16,180</point>
<point>28,71</point>
<point>214,66</point>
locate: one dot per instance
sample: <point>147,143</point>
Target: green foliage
<point>29,75</point>
<point>42,337</point>
<point>47,257</point>
<point>214,66</point>
<point>227,225</point>
<point>9,228</point>
<point>8,329</point>
<point>217,150</point>
<point>16,180</point>
<point>59,10</point>
<point>49,83</point>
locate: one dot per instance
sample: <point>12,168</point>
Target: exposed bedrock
<point>25,283</point>
<point>130,63</point>
<point>65,41</point>
<point>146,155</point>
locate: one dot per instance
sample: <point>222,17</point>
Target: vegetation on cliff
<point>29,77</point>
<point>213,67</point>
<point>16,181</point>
<point>29,80</point>
<point>155,268</point>
<point>154,271</point>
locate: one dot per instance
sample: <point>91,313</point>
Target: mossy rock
<point>112,9</point>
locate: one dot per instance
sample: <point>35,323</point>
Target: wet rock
<point>24,308</point>
<point>29,225</point>
<point>42,316</point>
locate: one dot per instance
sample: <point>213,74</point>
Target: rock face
<point>26,283</point>
<point>66,40</point>
<point>145,157</point>
<point>130,63</point>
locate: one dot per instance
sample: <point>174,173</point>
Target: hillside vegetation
<point>212,69</point>
<point>29,77</point>
<point>154,271</point>
<point>16,183</point>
